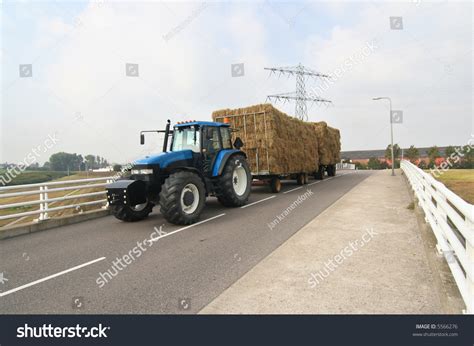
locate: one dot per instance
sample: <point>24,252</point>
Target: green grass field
<point>460,181</point>
<point>33,177</point>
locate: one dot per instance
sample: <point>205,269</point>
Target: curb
<point>33,227</point>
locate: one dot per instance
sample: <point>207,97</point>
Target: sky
<point>77,90</point>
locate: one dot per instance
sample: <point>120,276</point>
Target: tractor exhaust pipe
<point>167,133</point>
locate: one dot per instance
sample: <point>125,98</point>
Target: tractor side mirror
<point>142,138</point>
<point>238,143</point>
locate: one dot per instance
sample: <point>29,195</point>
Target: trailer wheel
<point>129,213</point>
<point>275,185</point>
<point>331,170</point>
<point>301,179</point>
<point>306,178</point>
<point>182,198</point>
<point>320,173</point>
<point>233,186</point>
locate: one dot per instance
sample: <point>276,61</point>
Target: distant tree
<point>449,151</point>
<point>468,161</point>
<point>452,157</point>
<point>65,161</point>
<point>422,165</point>
<point>33,167</point>
<point>433,154</point>
<point>413,154</point>
<point>90,161</point>
<point>396,152</point>
<point>117,168</point>
<point>374,163</point>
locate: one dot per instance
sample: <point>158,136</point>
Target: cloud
<point>426,68</point>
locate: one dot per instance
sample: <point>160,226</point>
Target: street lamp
<point>391,129</point>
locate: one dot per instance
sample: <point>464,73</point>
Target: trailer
<point>329,149</point>
<point>278,147</point>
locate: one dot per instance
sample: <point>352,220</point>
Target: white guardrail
<point>345,166</point>
<point>452,221</point>
<point>42,189</point>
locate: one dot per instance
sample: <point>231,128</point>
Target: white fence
<point>452,221</point>
<point>42,190</point>
<point>345,166</point>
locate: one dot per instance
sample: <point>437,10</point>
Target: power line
<point>300,96</point>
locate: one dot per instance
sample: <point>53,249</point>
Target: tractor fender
<point>222,158</point>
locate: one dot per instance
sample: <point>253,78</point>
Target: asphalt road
<point>56,271</point>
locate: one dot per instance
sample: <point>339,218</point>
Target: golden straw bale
<point>273,141</point>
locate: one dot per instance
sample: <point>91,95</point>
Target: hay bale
<point>329,143</point>
<point>274,142</point>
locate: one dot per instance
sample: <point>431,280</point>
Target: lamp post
<point>391,129</point>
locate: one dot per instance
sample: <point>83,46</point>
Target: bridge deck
<point>365,254</point>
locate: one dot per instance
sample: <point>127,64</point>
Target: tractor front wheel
<point>182,198</point>
<point>131,213</point>
<point>233,186</point>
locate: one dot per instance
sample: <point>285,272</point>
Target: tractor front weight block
<point>131,192</point>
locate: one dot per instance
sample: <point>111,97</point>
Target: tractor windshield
<point>186,138</point>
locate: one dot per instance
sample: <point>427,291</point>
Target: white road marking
<point>182,229</point>
<point>296,188</point>
<point>314,182</point>
<point>3,294</point>
<point>262,200</point>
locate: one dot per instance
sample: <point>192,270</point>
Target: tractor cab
<point>205,139</point>
<point>200,161</point>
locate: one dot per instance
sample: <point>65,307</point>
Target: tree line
<point>458,157</point>
<point>63,161</point>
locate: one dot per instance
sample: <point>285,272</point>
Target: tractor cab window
<point>226,139</point>
<point>211,140</point>
<point>186,138</point>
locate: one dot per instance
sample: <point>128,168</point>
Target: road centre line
<point>262,200</point>
<point>182,229</point>
<point>296,188</point>
<point>3,294</point>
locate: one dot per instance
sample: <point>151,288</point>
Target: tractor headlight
<point>142,171</point>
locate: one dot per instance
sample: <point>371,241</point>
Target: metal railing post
<point>41,216</point>
<point>106,206</point>
<point>43,205</point>
<point>45,216</point>
<point>470,258</point>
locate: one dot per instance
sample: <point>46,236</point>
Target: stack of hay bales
<point>329,143</point>
<point>284,144</point>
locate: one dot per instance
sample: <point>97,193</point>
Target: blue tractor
<point>201,161</point>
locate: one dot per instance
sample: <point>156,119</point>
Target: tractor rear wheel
<point>233,186</point>
<point>182,198</point>
<point>131,213</point>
